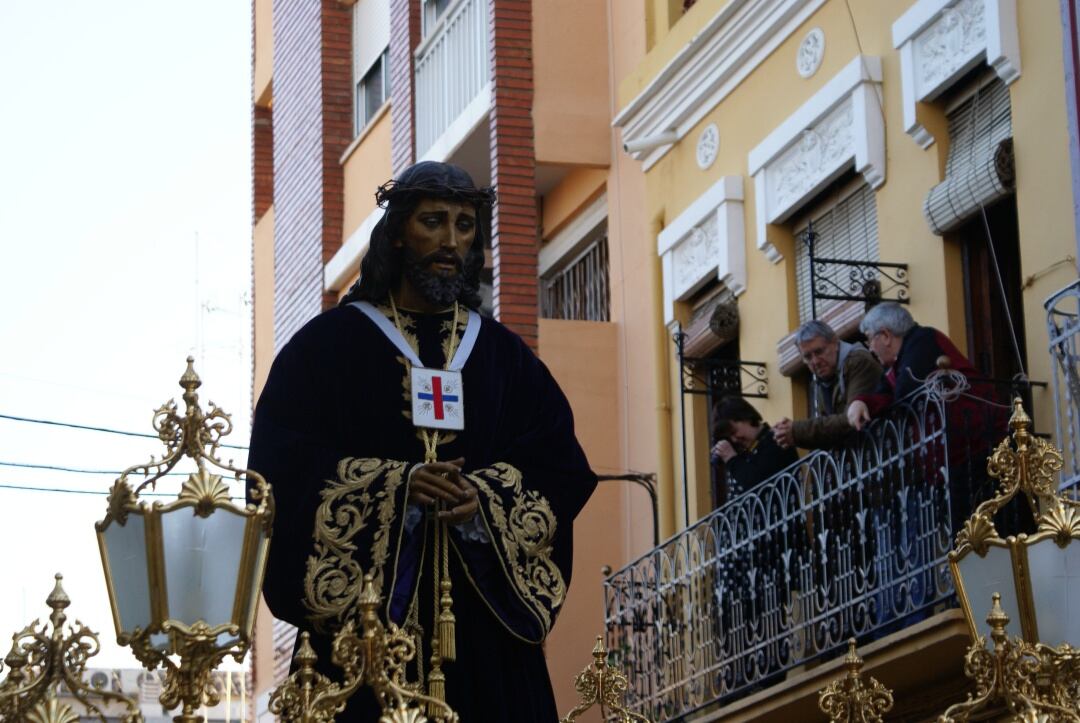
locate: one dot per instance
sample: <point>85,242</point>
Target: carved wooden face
<point>439,234</point>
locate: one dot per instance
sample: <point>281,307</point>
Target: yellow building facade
<point>755,80</point>
<point>906,134</point>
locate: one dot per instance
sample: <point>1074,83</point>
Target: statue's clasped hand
<point>442,482</point>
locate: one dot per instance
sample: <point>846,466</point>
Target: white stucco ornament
<point>811,52</point>
<point>707,146</point>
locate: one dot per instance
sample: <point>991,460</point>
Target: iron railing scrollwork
<point>713,378</point>
<point>846,543</point>
<point>868,282</point>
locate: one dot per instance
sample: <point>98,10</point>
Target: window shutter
<point>979,169</point>
<point>847,231</point>
<point>371,34</point>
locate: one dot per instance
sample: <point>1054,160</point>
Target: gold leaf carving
<point>205,490</point>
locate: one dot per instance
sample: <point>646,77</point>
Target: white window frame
<point>706,241</point>
<point>941,40</point>
<point>360,117</point>
<point>842,125</point>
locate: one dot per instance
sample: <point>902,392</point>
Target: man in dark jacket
<point>842,372</point>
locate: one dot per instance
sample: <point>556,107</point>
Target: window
<point>432,11</point>
<point>371,91</point>
<point>846,229</point>
<point>370,72</point>
<point>580,289</point>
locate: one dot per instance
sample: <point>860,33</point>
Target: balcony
<point>452,79</point>
<point>1063,330</point>
<point>845,543</point>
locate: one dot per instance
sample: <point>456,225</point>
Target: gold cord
<point>444,640</point>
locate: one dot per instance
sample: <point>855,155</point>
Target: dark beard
<point>440,291</point>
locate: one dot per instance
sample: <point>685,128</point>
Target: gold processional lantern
<point>184,577</point>
<point>1026,587</point>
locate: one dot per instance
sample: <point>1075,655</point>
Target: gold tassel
<point>447,638</point>
<point>436,690</point>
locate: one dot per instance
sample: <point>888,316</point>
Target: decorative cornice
<point>941,40</point>
<point>715,61</point>
<point>706,240</point>
<point>842,124</point>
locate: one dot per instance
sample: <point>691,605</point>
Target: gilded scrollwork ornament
<point>42,661</point>
<point>376,657</point>
<point>851,699</point>
<point>602,684</point>
<point>1034,682</point>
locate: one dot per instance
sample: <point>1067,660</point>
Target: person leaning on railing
<point>746,446</point>
<point>910,353</point>
<point>842,372</point>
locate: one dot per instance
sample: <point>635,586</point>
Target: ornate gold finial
<point>376,658</point>
<point>41,661</point>
<point>190,381</point>
<point>850,700</point>
<point>1019,422</point>
<point>601,684</point>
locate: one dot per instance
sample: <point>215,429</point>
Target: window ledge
<point>383,110</point>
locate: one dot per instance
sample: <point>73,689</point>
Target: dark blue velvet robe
<point>332,435</point>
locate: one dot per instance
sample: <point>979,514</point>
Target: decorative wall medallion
<point>956,36</point>
<point>707,146</point>
<point>811,52</point>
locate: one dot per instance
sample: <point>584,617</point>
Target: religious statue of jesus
<point>407,436</point>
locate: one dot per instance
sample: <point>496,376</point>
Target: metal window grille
<point>580,290</point>
<point>848,231</point>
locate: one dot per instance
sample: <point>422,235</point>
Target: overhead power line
<point>64,490</point>
<point>57,468</point>
<point>89,428</point>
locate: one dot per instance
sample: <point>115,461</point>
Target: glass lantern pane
<point>261,550</point>
<point>202,564</point>
<point>125,549</point>
<point>982,577</point>
<point>1055,583</point>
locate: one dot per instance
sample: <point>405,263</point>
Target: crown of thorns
<point>396,190</point>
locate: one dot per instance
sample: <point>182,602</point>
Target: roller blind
<point>979,169</point>
<point>371,34</point>
<point>846,230</point>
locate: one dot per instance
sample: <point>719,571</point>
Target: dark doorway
<point>990,343</point>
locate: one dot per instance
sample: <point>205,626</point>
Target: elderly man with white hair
<point>909,352</point>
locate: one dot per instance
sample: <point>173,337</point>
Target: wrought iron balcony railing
<point>845,543</point>
<point>1063,328</point>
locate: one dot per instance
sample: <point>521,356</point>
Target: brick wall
<point>312,121</point>
<point>404,37</point>
<point>513,166</point>
<point>337,120</point>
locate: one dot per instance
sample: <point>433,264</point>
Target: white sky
<point>124,157</point>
